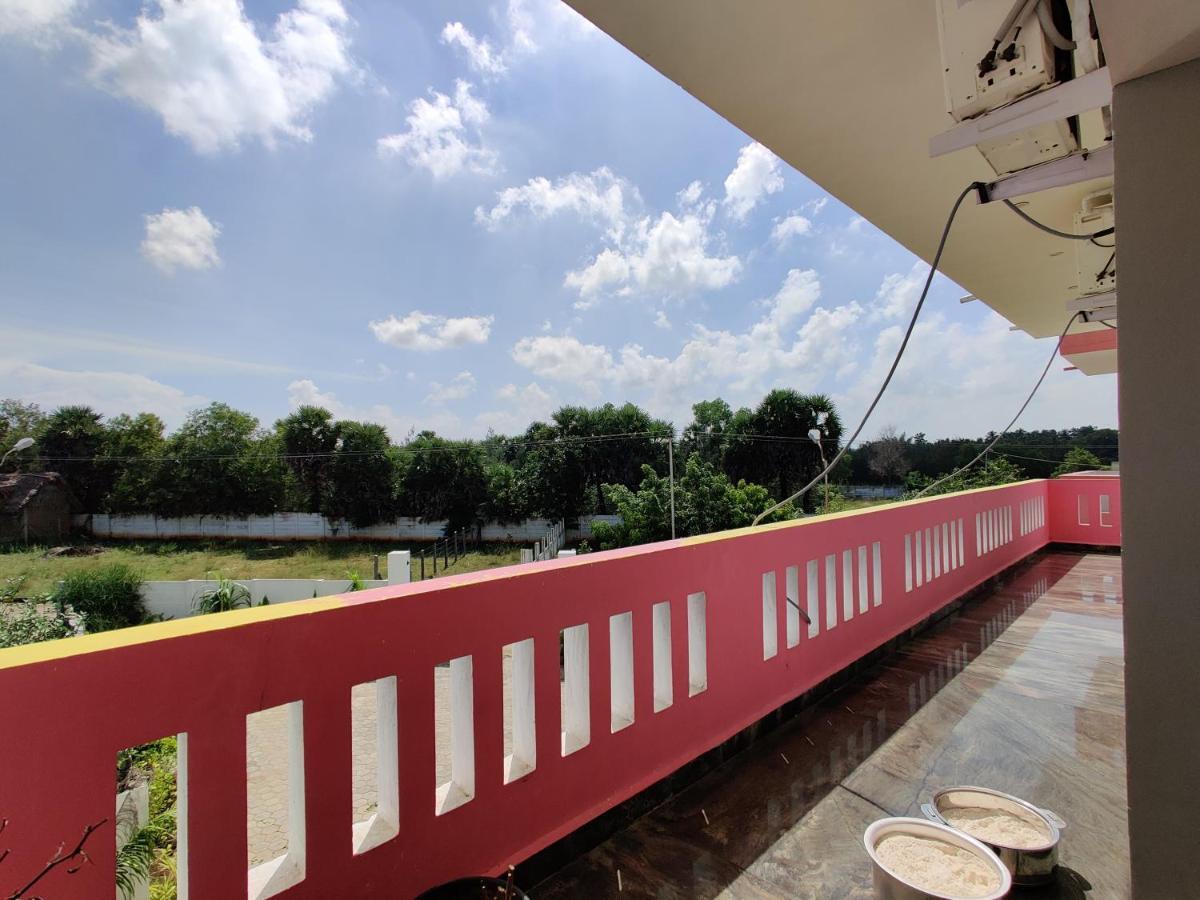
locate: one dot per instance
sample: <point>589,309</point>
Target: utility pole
<point>671,475</point>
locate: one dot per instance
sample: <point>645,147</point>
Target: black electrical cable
<point>1013,421</point>
<point>1103,232</point>
<point>1105,246</point>
<point>1107,324</point>
<point>1103,272</point>
<point>937,258</point>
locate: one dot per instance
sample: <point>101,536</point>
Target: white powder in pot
<point>937,866</point>
<point>998,826</point>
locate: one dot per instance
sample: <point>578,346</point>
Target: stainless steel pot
<point>1028,866</point>
<point>889,886</point>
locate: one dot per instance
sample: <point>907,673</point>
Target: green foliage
<point>221,464</point>
<point>356,582</point>
<point>705,501</point>
<point>359,480</point>
<point>227,595</point>
<point>149,854</point>
<point>308,439</point>
<point>18,420</point>
<point>70,439</point>
<point>136,486</point>
<point>507,497</point>
<point>1078,459</point>
<point>105,597</point>
<point>28,624</point>
<point>444,480</point>
<point>994,472</point>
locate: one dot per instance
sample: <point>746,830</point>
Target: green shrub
<point>30,625</point>
<point>356,582</point>
<point>105,597</point>
<point>225,596</point>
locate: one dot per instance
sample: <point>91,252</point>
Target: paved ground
<point>1021,690</point>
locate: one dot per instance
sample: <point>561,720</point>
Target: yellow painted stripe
<point>143,634</point>
<point>158,631</point>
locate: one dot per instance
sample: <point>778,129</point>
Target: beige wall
<point>1157,121</point>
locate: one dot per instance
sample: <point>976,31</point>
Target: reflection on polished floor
<point>1020,690</point>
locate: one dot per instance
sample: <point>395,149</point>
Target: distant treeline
<point>221,461</point>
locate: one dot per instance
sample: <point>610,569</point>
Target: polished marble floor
<point>1020,690</point>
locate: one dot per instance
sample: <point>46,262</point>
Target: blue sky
<point>454,216</point>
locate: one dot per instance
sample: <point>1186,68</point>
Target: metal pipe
<point>1055,36</point>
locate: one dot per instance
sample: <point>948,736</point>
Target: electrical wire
<point>1103,232</point>
<point>1050,29</point>
<point>937,258</point>
<point>1053,354</point>
<point>1107,324</point>
<point>1104,272</point>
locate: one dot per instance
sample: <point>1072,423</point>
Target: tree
<point>360,478</point>
<point>507,496</point>
<point>994,472</point>
<point>221,463</point>
<point>705,501</point>
<point>1078,459</point>
<point>71,438</point>
<point>888,457</point>
<point>307,439</point>
<point>18,420</point>
<point>134,449</point>
<point>706,436</point>
<point>444,480</point>
<point>771,445</point>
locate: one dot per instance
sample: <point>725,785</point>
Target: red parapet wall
<point>687,642</point>
<point>1086,509</point>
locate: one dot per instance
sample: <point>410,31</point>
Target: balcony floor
<point>1021,690</point>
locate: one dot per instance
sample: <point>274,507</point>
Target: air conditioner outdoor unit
<point>1097,268</point>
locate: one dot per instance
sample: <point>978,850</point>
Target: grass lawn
<point>178,560</point>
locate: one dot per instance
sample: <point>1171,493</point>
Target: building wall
<point>1157,119</point>
<point>46,518</point>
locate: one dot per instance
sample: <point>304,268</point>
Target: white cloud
<point>524,27</point>
<point>481,56</point>
<point>667,253</point>
<point>181,238</point>
<point>34,18</point>
<point>711,360</point>
<point>204,68</point>
<point>599,196</point>
<point>516,407</point>
<point>814,207</point>
<point>793,225</point>
<point>305,392</point>
<point>959,379</point>
<point>897,295</point>
<point>438,138</point>
<point>107,392</point>
<point>562,358</point>
<point>756,174</point>
<point>459,388</point>
<point>427,332</point>
<point>661,321</point>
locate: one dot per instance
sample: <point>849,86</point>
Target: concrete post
<point>1157,170</point>
<point>562,553</point>
<point>399,567</point>
<point>526,555</point>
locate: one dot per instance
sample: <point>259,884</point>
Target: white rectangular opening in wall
<point>697,606</point>
<point>864,597</point>
<point>1084,518</point>
<point>847,585</point>
<point>664,690</point>
<point>454,733</point>
<point>375,764</point>
<point>1105,512</point>
<point>791,597</point>
<point>770,618</point>
<point>831,591</point>
<point>620,666</point>
<point>908,563</point>
<point>275,827</point>
<point>813,597</point>
<point>163,764</point>
<point>576,690</point>
<point>520,734</point>
<point>877,574</point>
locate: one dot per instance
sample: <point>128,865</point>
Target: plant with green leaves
<point>31,625</point>
<point>1078,459</point>
<point>225,596</point>
<point>356,582</point>
<point>104,597</point>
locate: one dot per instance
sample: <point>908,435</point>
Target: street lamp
<point>23,444</point>
<point>815,435</point>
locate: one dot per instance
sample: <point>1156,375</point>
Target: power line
<point>1013,421</point>
<point>937,258</point>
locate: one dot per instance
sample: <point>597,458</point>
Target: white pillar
<point>399,564</point>
<point>563,553</point>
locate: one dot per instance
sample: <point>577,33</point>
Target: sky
<point>454,216</point>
